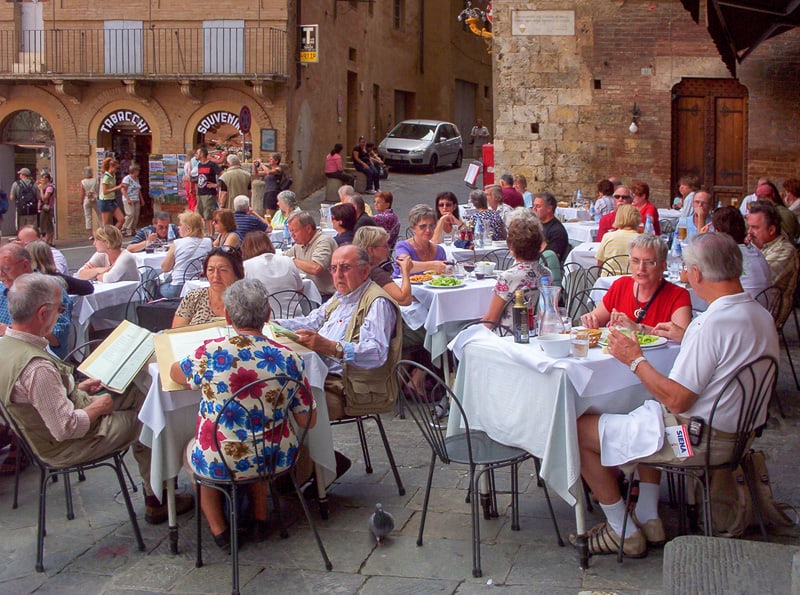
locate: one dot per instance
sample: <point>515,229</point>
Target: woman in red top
<point>641,200</point>
<point>643,299</point>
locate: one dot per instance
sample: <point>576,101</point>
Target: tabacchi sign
<point>125,115</point>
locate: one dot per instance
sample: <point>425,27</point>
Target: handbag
<point>732,506</point>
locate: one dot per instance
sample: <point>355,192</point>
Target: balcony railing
<point>161,53</point>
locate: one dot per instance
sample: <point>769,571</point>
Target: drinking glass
<point>681,232</point>
<point>580,343</point>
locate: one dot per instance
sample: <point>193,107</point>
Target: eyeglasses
<point>622,196</point>
<point>61,307</point>
<point>426,226</point>
<point>446,204</point>
<point>225,249</point>
<point>645,264</point>
<point>345,268</point>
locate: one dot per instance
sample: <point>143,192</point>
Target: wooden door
<point>709,136</point>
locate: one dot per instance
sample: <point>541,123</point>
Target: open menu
<point>119,358</point>
<point>174,344</point>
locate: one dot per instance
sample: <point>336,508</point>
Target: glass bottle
<point>519,316</point>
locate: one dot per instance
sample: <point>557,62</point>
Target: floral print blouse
<point>523,275</point>
<point>220,367</point>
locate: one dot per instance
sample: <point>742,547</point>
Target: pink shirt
<point>333,163</point>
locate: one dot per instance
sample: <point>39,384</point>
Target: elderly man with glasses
<point>161,231</point>
<point>622,196</point>
<point>312,251</point>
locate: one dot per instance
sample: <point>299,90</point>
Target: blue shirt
<point>60,330</point>
<point>246,222</point>
<point>691,229</point>
<point>141,235</point>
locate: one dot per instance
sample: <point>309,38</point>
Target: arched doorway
<point>219,131</point>
<point>126,135</point>
<point>26,140</point>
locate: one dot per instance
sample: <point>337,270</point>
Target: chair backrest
<point>193,270</point>
<point>750,389</point>
<point>501,257</point>
<point>150,280</point>
<point>580,304</point>
<point>772,300</point>
<point>420,405</point>
<point>530,295</point>
<point>409,233</point>
<point>140,295</point>
<point>574,278</point>
<point>497,328</point>
<point>81,352</point>
<point>289,304</point>
<point>667,226</point>
<point>267,422</point>
<point>157,315</point>
<point>616,265</point>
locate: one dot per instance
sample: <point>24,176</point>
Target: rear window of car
<point>413,131</point>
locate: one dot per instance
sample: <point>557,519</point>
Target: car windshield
<point>413,131</point>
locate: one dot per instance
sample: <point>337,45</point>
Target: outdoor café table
<point>581,231</point>
<point>106,295</point>
<point>521,397</point>
<point>584,254</point>
<point>570,213</point>
<point>309,288</point>
<point>669,214</point>
<point>150,259</point>
<point>602,284</point>
<point>169,419</point>
<point>455,254</point>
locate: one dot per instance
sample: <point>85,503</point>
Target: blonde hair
<point>370,236</point>
<point>628,217</point>
<point>107,163</point>
<point>41,257</point>
<point>111,235</point>
<point>194,222</point>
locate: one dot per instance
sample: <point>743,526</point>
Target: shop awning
<point>739,26</point>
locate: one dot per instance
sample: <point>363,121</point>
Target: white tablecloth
<point>442,311</point>
<point>585,254</point>
<point>603,283</point>
<point>582,231</point>
<point>570,213</point>
<point>106,295</point>
<point>504,394</point>
<point>462,254</point>
<point>169,420</point>
<point>670,214</point>
<point>309,289</point>
<point>152,260</point>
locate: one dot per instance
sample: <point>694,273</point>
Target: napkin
<point>628,436</point>
<point>529,355</point>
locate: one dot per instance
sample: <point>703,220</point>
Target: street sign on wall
<point>309,43</point>
<point>245,119</point>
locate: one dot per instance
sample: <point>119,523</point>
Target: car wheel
<point>457,162</point>
<point>433,164</point>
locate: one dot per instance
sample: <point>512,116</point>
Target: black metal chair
<point>501,257</point>
<point>266,423</point>
<point>580,304</point>
<point>772,299</point>
<point>472,448</point>
<point>616,265</point>
<point>151,280</point>
<point>289,304</point>
<point>751,388</point>
<point>48,471</point>
<point>141,295</point>
<point>497,328</point>
<point>409,233</point>
<point>575,278</point>
<point>194,270</point>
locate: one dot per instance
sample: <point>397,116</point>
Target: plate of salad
<point>444,283</point>
<point>645,341</point>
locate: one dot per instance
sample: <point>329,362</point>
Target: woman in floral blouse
<point>491,219</point>
<point>525,240</point>
<point>220,367</point>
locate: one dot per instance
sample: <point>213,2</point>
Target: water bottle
<point>478,239</point>
<point>579,198</point>
<point>592,213</point>
<point>648,225</point>
<point>287,237</point>
<point>674,258</point>
<point>719,204</point>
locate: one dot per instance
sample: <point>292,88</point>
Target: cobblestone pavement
<point>96,552</point>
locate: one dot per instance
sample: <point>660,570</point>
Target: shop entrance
<point>126,142</point>
<point>219,131</point>
<point>26,140</point>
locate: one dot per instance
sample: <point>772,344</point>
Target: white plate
<point>657,343</point>
<point>428,284</point>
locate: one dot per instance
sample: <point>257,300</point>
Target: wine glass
<point>469,267</point>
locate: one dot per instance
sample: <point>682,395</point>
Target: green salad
<point>444,282</point>
<point>643,339</point>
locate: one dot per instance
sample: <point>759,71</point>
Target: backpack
<point>26,198</point>
<point>3,203</point>
<point>731,501</point>
<point>285,183</point>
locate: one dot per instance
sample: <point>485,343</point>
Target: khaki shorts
<point>206,205</point>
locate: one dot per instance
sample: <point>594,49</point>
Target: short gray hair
<point>478,199</point>
<point>716,255</point>
<point>29,293</point>
<point>233,160</point>
<point>290,198</point>
<point>161,216</point>
<point>247,303</point>
<point>304,218</point>
<point>346,190</point>
<point>507,179</point>
<point>241,204</point>
<point>420,212</point>
<point>647,241</point>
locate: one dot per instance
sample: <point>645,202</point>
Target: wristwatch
<point>340,350</point>
<point>635,363</point>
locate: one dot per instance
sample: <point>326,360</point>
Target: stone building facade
<point>568,73</point>
<point>81,79</point>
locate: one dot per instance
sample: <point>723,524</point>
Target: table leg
<point>582,540</point>
<point>172,516</point>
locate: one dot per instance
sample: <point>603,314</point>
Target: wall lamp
<point>635,115</point>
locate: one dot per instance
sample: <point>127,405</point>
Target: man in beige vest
<point>59,419</point>
<point>359,334</point>
<point>233,182</point>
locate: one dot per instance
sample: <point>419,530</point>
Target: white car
<point>423,143</point>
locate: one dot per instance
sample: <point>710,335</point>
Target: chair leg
<point>68,495</point>
<point>134,489</point>
<point>16,478</point>
<point>586,495</point>
<point>362,436</point>
<point>234,529</point>
<point>476,529</point>
<point>514,496</point>
<point>427,498</point>
<point>41,529</point>
<point>625,519</point>
<point>400,489</point>
<point>276,503</point>
<point>537,465</point>
<point>752,489</point>
<point>198,560</point>
<point>131,512</point>
<point>328,565</point>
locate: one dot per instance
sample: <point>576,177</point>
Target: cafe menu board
<point>166,175</point>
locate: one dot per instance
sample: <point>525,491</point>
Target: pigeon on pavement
<point>381,523</point>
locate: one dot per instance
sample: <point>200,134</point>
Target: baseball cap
<point>24,171</point>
